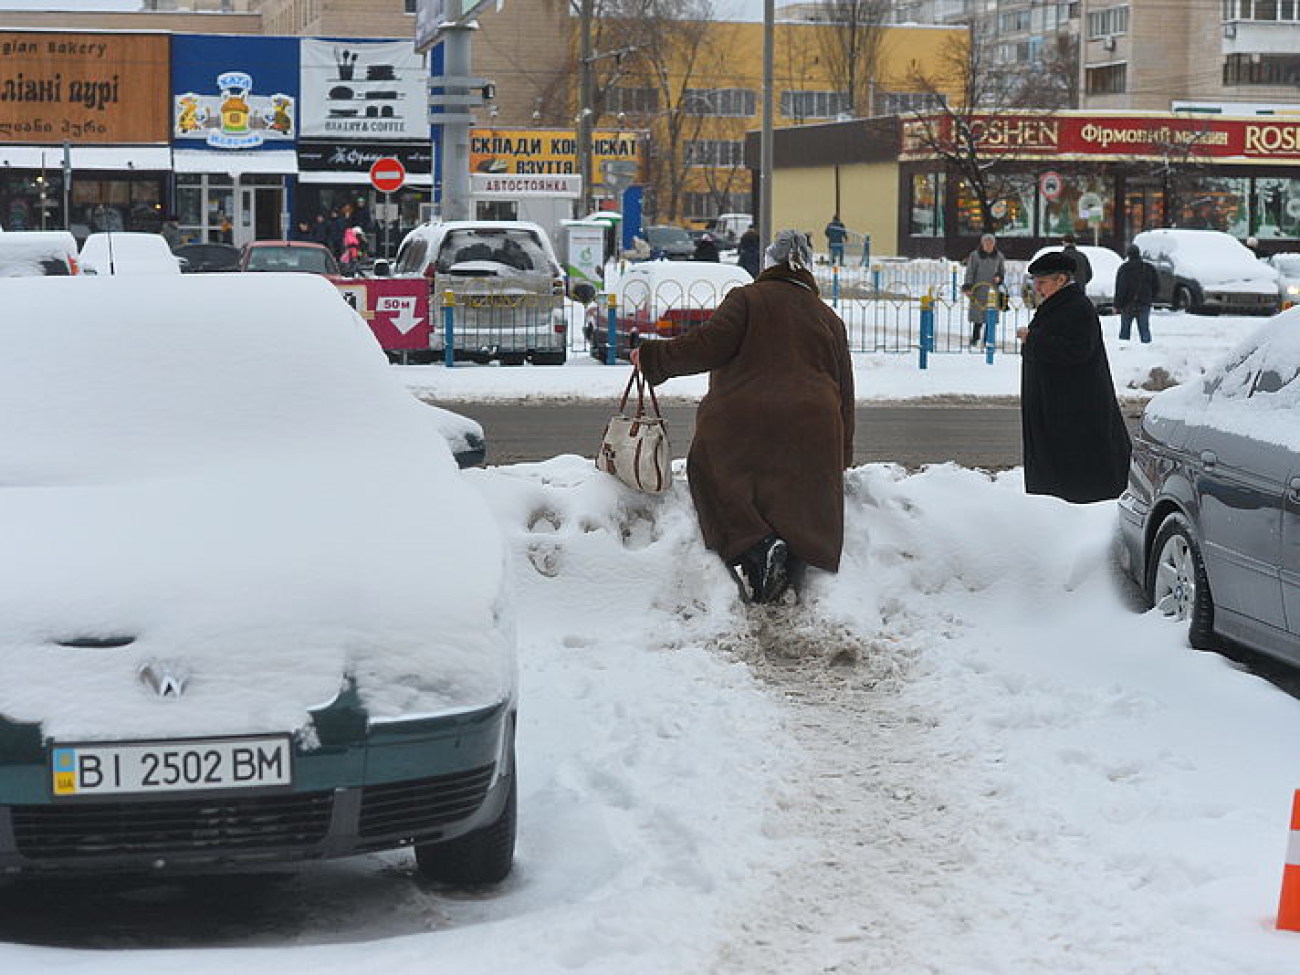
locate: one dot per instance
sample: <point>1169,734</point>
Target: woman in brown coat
<point>774,433</point>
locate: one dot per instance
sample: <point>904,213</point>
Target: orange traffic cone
<point>1288,910</point>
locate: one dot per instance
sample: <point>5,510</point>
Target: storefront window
<point>1214,203</point>
<point>31,201</point>
<point>1277,208</point>
<point>1064,215</point>
<point>205,204</point>
<point>1012,208</point>
<point>116,204</point>
<point>927,205</point>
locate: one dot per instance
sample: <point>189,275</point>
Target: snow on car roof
<point>1210,256</point>
<point>187,465</point>
<point>136,252</point>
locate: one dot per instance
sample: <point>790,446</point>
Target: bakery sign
<point>83,88</point>
<point>363,90</point>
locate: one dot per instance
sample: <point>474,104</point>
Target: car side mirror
<point>583,292</point>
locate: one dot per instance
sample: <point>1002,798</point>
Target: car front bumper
<point>397,783</point>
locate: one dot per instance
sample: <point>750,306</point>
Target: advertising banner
<point>234,92</point>
<point>83,87</point>
<point>370,91</point>
<point>547,152</point>
<point>1165,136</point>
<point>337,157</point>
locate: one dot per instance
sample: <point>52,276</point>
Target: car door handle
<point>1209,458</point>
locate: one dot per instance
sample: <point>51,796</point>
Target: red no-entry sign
<point>387,174</point>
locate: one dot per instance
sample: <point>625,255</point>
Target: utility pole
<point>765,139</point>
<point>584,104</point>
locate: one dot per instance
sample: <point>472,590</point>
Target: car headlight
<point>1293,289</point>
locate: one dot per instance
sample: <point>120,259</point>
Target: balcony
<point>1260,37</point>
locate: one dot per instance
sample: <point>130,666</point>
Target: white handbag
<point>635,448</point>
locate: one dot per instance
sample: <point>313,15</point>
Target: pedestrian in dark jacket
<point>1136,285</point>
<point>836,234</point>
<point>986,269</point>
<point>747,251</point>
<point>775,431</point>
<point>706,249</point>
<point>1082,266</point>
<point>1076,446</point>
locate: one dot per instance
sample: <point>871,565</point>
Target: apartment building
<point>1226,56</point>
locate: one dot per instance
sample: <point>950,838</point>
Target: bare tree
<point>851,48</point>
<point>956,132</point>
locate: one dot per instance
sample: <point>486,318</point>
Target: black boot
<point>764,569</point>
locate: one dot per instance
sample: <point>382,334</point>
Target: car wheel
<point>1177,584</point>
<point>513,358</point>
<point>549,358</point>
<point>476,859</point>
<point>1182,300</point>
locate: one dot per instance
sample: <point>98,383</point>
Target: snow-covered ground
<point>964,753</point>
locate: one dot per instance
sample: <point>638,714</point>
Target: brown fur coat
<point>775,431</point>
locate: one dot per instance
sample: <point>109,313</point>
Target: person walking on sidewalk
<point>1136,284</point>
<point>836,234</point>
<point>774,434</point>
<point>986,269</point>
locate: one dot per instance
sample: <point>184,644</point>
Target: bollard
<point>927,327</point>
<point>835,286</point>
<point>611,333</point>
<point>991,328</point>
<point>449,328</point>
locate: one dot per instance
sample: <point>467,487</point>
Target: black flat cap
<point>1053,262</point>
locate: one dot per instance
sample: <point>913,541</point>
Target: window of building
<point>408,6</point>
<point>1109,79</point>
<point>706,206</point>
<point>904,102</point>
<point>1108,22</point>
<point>725,102</point>
<point>926,214</point>
<point>814,104</point>
<point>1267,10</point>
<point>1213,203</point>
<point>1013,21</point>
<point>725,153</point>
<point>1276,212</point>
<point>633,101</point>
<point>1012,208</point>
<point>1061,216</point>
<point>1262,69</point>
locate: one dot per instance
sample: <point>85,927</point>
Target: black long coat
<point>1076,445</point>
<point>775,432</point>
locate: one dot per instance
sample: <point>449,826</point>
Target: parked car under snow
<point>1208,272</point>
<point>217,644</point>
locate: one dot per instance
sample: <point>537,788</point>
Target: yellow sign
<point>547,152</point>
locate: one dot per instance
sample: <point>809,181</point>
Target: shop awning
<point>128,158</point>
<point>236,163</point>
<point>412,179</point>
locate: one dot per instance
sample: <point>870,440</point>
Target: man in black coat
<point>1076,446</point>
<point>1082,266</point>
<point>1136,284</point>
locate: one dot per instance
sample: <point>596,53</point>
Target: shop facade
<point>83,130</point>
<point>1105,178</point>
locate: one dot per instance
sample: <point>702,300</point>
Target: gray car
<point>1210,521</point>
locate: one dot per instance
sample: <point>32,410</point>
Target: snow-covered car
<point>1211,517</point>
<point>658,300</point>
<point>667,241</point>
<point>219,642</point>
<point>1287,266</point>
<point>38,253</point>
<point>1208,272</point>
<point>1101,288</point>
<point>507,283</point>
<point>128,253</point>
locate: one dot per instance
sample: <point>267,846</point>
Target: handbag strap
<point>642,387</point>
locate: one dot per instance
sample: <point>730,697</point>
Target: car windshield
<point>513,249</point>
<point>663,236</point>
<point>314,260</point>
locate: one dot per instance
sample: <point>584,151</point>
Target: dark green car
<point>220,640</point>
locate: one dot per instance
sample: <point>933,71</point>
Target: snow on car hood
<point>243,497</point>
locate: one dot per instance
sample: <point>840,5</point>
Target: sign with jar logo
<point>83,88</point>
<point>233,96</point>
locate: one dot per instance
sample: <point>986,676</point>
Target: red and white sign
<point>1049,184</point>
<point>387,174</point>
<point>397,309</point>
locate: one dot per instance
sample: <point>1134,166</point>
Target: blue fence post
<point>835,286</point>
<point>875,279</point>
<point>866,249</point>
<point>956,288</point>
<point>927,327</point>
<point>611,332</point>
<point>449,328</point>
<point>991,328</point>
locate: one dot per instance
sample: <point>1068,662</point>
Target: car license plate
<point>138,768</point>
